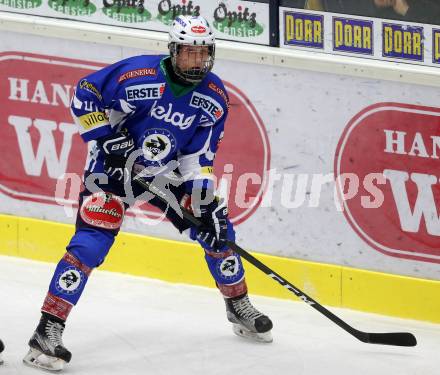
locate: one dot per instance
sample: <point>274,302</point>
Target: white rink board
<point>305,114</point>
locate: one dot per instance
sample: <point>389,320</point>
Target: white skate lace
<point>245,309</point>
<point>54,331</point>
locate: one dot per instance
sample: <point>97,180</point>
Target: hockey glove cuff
<point>116,148</point>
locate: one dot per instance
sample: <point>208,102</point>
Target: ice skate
<point>47,350</point>
<point>2,347</point>
<point>247,321</point>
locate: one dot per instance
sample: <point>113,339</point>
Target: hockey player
<point>167,109</point>
<point>2,347</point>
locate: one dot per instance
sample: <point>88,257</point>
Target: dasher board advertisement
<point>360,36</point>
<point>314,166</point>
<point>243,21</point>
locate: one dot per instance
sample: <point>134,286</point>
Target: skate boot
<point>2,347</point>
<point>46,346</point>
<point>246,320</point>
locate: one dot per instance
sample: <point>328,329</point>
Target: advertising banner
<point>397,208</point>
<point>360,36</point>
<point>36,92</point>
<point>243,21</point>
<point>315,166</point>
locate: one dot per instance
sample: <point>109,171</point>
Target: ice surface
<point>129,325</point>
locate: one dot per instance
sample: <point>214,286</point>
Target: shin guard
<point>227,270</point>
<point>66,286</point>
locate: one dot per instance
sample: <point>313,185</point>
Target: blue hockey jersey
<point>167,121</point>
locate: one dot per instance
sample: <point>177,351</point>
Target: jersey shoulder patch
<point>216,88</point>
<point>209,103</point>
<point>140,79</point>
<point>138,68</point>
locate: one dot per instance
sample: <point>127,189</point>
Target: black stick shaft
<point>393,338</point>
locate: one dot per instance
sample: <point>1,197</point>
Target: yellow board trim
<point>182,262</point>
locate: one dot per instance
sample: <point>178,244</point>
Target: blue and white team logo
<point>69,281</point>
<point>229,267</point>
<point>157,145</point>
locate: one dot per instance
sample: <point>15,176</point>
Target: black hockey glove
<point>116,148</point>
<point>214,232</point>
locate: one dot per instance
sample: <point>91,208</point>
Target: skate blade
<point>239,330</point>
<point>35,358</point>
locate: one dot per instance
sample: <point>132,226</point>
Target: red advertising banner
<point>387,166</point>
<point>40,143</point>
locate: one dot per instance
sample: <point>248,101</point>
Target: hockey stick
<point>392,338</point>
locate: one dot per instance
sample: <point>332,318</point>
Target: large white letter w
<point>46,149</point>
<point>425,205</point>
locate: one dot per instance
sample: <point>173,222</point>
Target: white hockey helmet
<point>191,31</point>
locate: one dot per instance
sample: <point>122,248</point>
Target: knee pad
<point>101,210</point>
<point>100,216</point>
<point>90,246</point>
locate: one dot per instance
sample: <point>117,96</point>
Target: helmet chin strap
<point>182,76</point>
<point>193,72</point>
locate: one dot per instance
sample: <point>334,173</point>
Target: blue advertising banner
<point>353,35</point>
<point>359,36</point>
<point>402,41</point>
<point>304,29</point>
<point>436,46</point>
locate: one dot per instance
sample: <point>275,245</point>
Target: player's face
<point>192,57</point>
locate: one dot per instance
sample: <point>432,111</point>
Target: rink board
<point>295,125</point>
<point>296,115</point>
<point>182,262</point>
<point>288,206</point>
